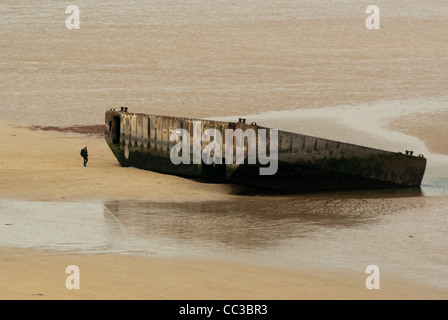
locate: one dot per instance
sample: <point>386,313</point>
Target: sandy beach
<point>44,166</point>
<point>34,274</point>
<point>295,65</point>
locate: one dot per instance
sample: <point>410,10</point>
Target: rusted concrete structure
<point>305,163</point>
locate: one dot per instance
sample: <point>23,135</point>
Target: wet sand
<point>36,274</point>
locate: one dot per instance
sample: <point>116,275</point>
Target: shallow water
<point>393,229</point>
<point>341,232</point>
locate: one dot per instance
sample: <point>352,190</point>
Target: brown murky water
<point>214,58</point>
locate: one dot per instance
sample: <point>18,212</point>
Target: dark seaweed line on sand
<point>91,130</point>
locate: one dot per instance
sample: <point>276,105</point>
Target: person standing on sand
<point>85,155</point>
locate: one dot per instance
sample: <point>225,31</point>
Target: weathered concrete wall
<point>143,129</point>
<point>144,143</point>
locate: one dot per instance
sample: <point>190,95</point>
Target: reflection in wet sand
<point>347,231</point>
<point>250,223</point>
<point>401,231</point>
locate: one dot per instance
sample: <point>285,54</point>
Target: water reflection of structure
<point>255,223</point>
